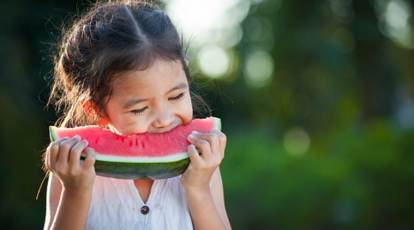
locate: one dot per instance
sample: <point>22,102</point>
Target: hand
<point>206,152</point>
<point>63,159</point>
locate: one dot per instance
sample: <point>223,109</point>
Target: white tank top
<point>117,204</point>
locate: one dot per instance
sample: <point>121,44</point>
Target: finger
<point>64,149</point>
<point>53,152</point>
<point>193,154</point>
<point>222,142</point>
<point>62,139</point>
<point>52,155</point>
<point>90,159</point>
<point>196,161</point>
<point>202,146</point>
<point>75,153</point>
<point>212,138</point>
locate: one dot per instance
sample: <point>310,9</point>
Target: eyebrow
<point>132,102</point>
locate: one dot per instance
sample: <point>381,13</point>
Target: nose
<point>163,119</point>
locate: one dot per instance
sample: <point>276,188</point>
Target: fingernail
<point>91,152</point>
<point>190,147</point>
<point>77,137</point>
<point>191,136</point>
<point>85,142</point>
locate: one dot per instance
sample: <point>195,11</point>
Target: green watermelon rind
<point>52,133</point>
<point>124,170</point>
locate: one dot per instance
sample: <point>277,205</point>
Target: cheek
<point>136,123</point>
<point>128,124</point>
<point>187,109</point>
<point>123,122</point>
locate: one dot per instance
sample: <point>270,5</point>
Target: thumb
<point>193,153</point>
<point>90,158</point>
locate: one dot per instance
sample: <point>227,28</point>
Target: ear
<point>89,108</point>
<point>93,113</point>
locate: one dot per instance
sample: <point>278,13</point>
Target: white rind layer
<point>129,159</point>
<point>217,123</point>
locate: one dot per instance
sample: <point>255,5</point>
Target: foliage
<point>361,180</point>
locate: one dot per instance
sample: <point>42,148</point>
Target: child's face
<point>153,100</point>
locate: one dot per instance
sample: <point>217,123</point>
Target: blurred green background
<point>316,97</point>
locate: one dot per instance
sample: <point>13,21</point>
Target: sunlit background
<point>316,97</point>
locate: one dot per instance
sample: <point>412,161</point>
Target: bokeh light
<point>258,68</point>
<point>396,15</point>
<point>211,28</point>
<point>213,61</point>
<point>296,141</point>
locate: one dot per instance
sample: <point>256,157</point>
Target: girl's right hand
<point>63,159</point>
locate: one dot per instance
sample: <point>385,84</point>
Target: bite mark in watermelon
<point>145,155</point>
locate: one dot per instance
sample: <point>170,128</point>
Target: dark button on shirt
<point>145,210</point>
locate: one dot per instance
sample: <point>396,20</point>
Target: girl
<point>122,65</point>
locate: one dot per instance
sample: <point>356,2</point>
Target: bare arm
<point>217,192</point>
<point>207,207</point>
<point>202,181</point>
<point>54,190</point>
<point>65,210</point>
<point>67,206</point>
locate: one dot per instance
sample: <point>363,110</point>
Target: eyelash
<point>177,97</point>
<point>140,111</point>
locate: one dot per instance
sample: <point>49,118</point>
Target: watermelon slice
<point>145,155</point>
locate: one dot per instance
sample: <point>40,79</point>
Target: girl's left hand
<point>206,152</point>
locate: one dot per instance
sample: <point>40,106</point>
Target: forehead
<point>161,76</point>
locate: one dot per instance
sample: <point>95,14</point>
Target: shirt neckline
<point>153,191</point>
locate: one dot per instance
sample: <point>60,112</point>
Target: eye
<point>177,97</point>
<point>138,111</point>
